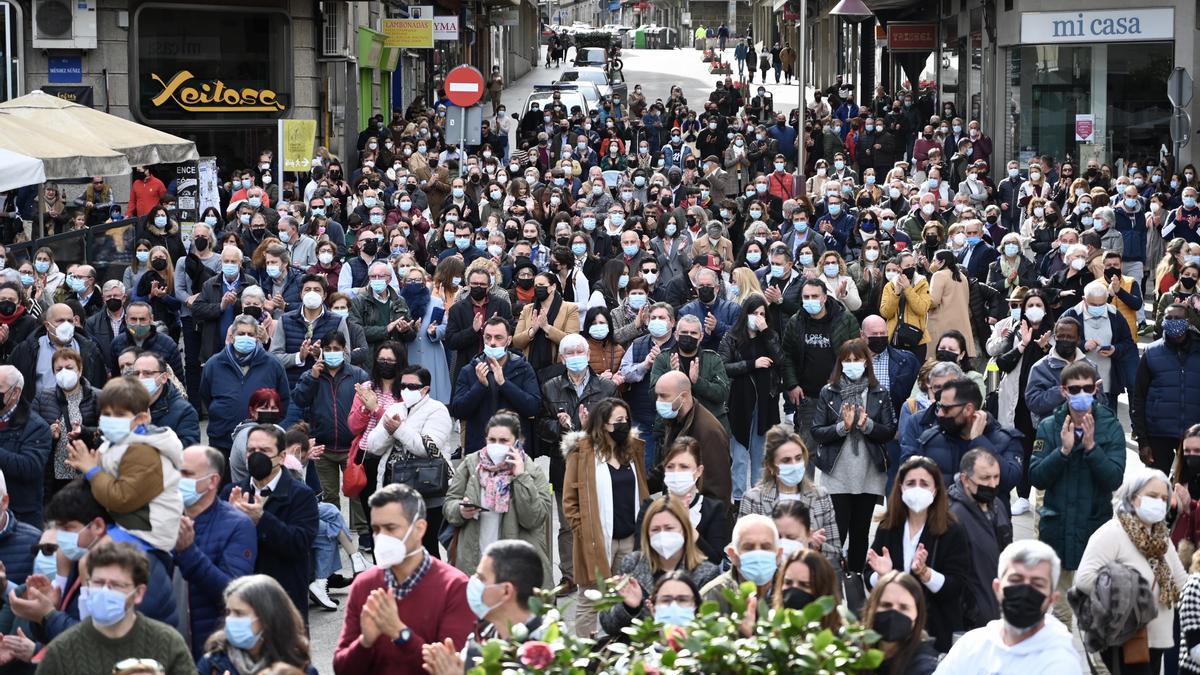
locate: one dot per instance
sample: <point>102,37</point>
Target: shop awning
<point>17,170</point>
<point>73,140</point>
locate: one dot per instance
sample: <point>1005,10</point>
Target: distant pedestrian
<point>722,36</point>
<point>495,88</point>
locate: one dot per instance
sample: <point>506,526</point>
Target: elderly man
<point>219,301</point>
<point>33,356</point>
<point>704,368</point>
<point>974,501</point>
<point>680,415</point>
<point>297,338</point>
<point>716,314</point>
<point>1106,340</point>
<point>977,255</point>
<point>381,311</point>
<point>81,286</point>
<point>232,375</point>
<point>754,554</point>
<point>1024,639</point>
<point>141,332</point>
<point>106,325</point>
<point>24,448</point>
<point>301,247</point>
<point>1131,223</point>
<point>896,369</point>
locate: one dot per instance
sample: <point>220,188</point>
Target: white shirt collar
<point>269,486</point>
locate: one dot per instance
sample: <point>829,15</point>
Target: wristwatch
<point>405,636</point>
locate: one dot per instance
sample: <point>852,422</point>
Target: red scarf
<point>8,320</point>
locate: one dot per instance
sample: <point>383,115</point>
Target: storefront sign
<point>65,69</point>
<point>297,138</point>
<point>81,95</point>
<point>912,37</point>
<point>445,28</point>
<point>415,32</point>
<point>1108,25</point>
<point>214,96</point>
<point>1085,128</point>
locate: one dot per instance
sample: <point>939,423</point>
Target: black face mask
<point>892,626</point>
<point>385,371</point>
<point>259,465</point>
<point>158,264</point>
<point>946,355</point>
<point>911,273</point>
<point>1022,606</point>
<point>706,294</point>
<point>984,494</point>
<point>1187,282</point>
<point>478,293</point>
<point>370,246</point>
<point>877,343</point>
<point>113,304</point>
<point>541,293</point>
<point>688,344</point>
<point>7,308</point>
<point>1191,464</point>
<point>950,425</point>
<point>931,240</point>
<point>200,243</point>
<point>255,312</point>
<point>524,284</point>
<point>1066,348</point>
<point>620,432</point>
<point>563,241</point>
<point>797,599</point>
<point>269,416</point>
<point>1051,217</point>
<point>1111,273</point>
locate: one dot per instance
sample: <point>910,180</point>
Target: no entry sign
<point>464,86</point>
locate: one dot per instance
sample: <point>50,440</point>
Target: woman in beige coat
<point>603,488</point>
<point>949,300</point>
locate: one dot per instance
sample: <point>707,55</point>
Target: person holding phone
<point>499,492</point>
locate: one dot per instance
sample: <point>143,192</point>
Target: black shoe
<point>338,581</point>
<point>456,455</point>
<point>366,543</point>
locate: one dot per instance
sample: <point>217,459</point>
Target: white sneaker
<point>318,593</point>
<point>358,564</point>
<point>1020,506</point>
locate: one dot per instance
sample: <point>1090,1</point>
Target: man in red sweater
<point>144,193</point>
<point>408,600</point>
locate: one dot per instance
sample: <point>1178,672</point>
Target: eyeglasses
<point>111,585</point>
<point>145,373</point>
<point>1074,389</point>
<point>412,386</point>
<point>946,407</point>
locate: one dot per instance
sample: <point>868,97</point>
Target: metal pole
<point>801,82</point>
<point>462,141</point>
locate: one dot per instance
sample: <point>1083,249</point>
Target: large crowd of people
<point>640,320</point>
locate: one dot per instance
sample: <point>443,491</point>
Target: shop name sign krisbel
<point>213,96</point>
<point>1116,25</point>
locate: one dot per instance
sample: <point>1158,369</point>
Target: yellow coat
<point>915,309</point>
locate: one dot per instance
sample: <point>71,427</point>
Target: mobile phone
<point>477,507</point>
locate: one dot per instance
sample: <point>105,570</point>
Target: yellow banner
<point>298,139</point>
<point>411,33</point>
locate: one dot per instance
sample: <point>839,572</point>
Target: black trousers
<point>1163,449</point>
<point>1112,656</point>
<point>853,516</point>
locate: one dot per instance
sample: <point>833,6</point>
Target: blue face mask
<point>623,281</point>
<point>813,307</point>
<point>831,270</point>
<point>462,244</point>
<point>45,565</point>
<point>114,429</point>
<point>1189,202</point>
<point>806,259</point>
<point>631,250</point>
<point>674,615</point>
<point>495,353</point>
<point>1097,312</point>
<point>210,221</point>
<point>255,202</point>
<point>142,256</point>
<point>657,327</point>
<point>1081,402</point>
<point>1175,328</point>
<point>578,249</point>
<point>777,271</point>
<point>273,271</point>
<point>974,241</point>
<point>854,370</point>
<point>835,209</point>
<point>244,344</point>
<point>230,270</point>
<point>333,359</point>
<point>758,566</point>
<point>105,605</point>
<point>27,280</point>
<point>791,474</point>
<point>42,266</point>
<point>378,285</point>
<point>160,221</point>
<point>578,364</point>
<point>475,589</point>
<point>637,301</point>
<point>598,331</point>
<point>1011,250</point>
<point>187,490</point>
<point>666,409</point>
<point>1131,203</point>
<point>1062,248</point>
<point>68,543</point>
<point>239,630</point>
<point>753,257</point>
<point>589,223</point>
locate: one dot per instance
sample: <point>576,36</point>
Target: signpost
<point>1180,89</point>
<point>464,88</point>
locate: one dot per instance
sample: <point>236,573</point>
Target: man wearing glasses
<point>168,408</point>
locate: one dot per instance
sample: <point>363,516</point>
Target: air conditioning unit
<point>64,24</point>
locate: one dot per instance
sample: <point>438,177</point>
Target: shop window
<point>12,50</point>
<point>203,66</point>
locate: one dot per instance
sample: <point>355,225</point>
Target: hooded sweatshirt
<point>983,651</point>
<point>138,482</point>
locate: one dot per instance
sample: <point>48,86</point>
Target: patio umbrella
<point>63,154</point>
<point>17,170</point>
<point>74,123</point>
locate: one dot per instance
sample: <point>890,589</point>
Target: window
<point>11,50</point>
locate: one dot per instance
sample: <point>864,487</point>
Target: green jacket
<point>711,387</point>
<point>528,518</point>
<point>914,226</point>
<point>374,316</point>
<point>1078,487</point>
<point>845,327</point>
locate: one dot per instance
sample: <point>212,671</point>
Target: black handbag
<point>854,590</point>
<point>906,335</point>
<point>429,476</point>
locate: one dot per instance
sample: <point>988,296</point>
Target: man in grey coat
<point>974,501</point>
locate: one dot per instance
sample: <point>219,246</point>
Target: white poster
<point>1103,25</point>
<point>445,28</point>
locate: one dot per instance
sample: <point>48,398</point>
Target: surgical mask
<point>187,490</point>
<point>149,383</point>
<point>657,327</point>
<point>475,589</point>
<point>854,369</point>
<point>255,202</point>
<point>142,256</point>
<point>68,543</point>
<point>27,280</point>
<point>230,269</point>
<point>1011,250</point>
<point>666,409</point>
<point>114,429</point>
<point>239,630</point>
<point>105,605</point>
<point>66,378</point>
<point>42,266</point>
<point>273,271</point>
<point>578,364</point>
<point>457,192</point>
<point>1081,402</point>
<point>495,353</point>
<point>1189,202</point>
<point>813,307</point>
<point>806,259</point>
<point>917,499</point>
<point>667,544</point>
<point>1152,510</point>
<point>333,359</point>
<point>1097,311</point>
<point>378,285</point>
<point>831,269</point>
<point>679,482</point>
<point>244,344</point>
<point>835,209</point>
<point>45,565</point>
<point>1130,202</point>
<point>791,474</point>
<point>758,566</point>
<point>673,614</point>
<point>578,249</point>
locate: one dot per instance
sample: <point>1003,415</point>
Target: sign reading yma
<point>1108,25</point>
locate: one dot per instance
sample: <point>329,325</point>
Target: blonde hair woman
<point>746,283</point>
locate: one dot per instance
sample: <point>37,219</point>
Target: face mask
<point>27,280</point>
<point>114,429</point>
<point>892,626</point>
<point>1151,510</point>
<point>1011,250</point>
<point>679,482</point>
<point>800,225</point>
<point>45,565</point>
<point>657,327</point>
<point>1189,202</point>
<point>187,490</point>
<point>891,276</point>
<point>688,343</point>
<point>791,474</point>
<point>142,256</point>
<point>667,544</point>
<point>758,566</point>
<point>1130,203</point>
<point>257,464</point>
<point>831,270</point>
<point>334,359</point>
<point>917,499</point>
<point>495,353</point>
<point>105,605</point>
<point>813,307</point>
<point>1022,606</point>
<point>239,630</point>
<point>598,331</point>
<point>1078,264</point>
<point>41,266</point>
<point>760,188</point>
<point>666,409</point>
<point>68,543</point>
<point>1175,328</point>
<point>835,209</point>
<point>66,379</point>
<point>1065,348</point>
<point>927,209</point>
<point>894,193</point>
<point>244,344</point>
<point>854,369</point>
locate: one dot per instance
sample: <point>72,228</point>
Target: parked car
<point>569,94</point>
<point>606,83</point>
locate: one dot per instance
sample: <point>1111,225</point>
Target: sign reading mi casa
<point>183,90</point>
<point>1103,25</point>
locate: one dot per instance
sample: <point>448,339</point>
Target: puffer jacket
<point>989,533</point>
<point>1078,487</point>
<point>51,406</point>
<point>1121,602</point>
<point>224,549</point>
<point>1166,395</point>
<point>172,411</point>
<point>24,451</point>
<point>290,334</point>
<point>139,484</point>
<point>1003,442</point>
<point>325,403</point>
<point>16,544</point>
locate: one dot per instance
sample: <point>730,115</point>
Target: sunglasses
<point>1074,389</point>
<point>411,386</point>
<point>44,549</point>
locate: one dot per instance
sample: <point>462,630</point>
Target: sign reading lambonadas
<point>214,96</point>
<point>414,33</point>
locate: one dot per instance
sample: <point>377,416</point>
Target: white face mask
<point>497,452</point>
<point>64,331</point>
<point>917,499</point>
<point>1152,510</point>
<point>391,551</point>
<point>667,544</point>
<point>411,397</point>
<point>789,546</point>
<point>679,482</point>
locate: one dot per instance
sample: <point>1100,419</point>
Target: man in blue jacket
<point>17,540</point>
<point>1165,398</point>
<point>497,378</point>
<point>1131,223</point>
<point>217,543</point>
<point>837,221</point>
<point>284,512</point>
<point>895,369</point>
<point>957,424</point>
<point>168,408</point>
<point>140,332</point>
<point>232,375</point>
<point>297,339</point>
<point>716,315</point>
<point>24,448</point>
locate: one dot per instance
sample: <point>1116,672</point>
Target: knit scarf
<point>852,392</point>
<point>1151,542</point>
<point>242,660</point>
<point>495,483</point>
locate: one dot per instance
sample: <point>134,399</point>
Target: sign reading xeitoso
<point>410,33</point>
<point>214,96</point>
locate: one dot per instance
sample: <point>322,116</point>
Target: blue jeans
<point>325,545</point>
<point>747,459</point>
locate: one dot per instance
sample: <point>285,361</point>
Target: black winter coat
<point>752,388</point>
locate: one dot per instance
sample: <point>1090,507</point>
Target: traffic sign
<point>1180,87</point>
<point>1181,127</point>
<point>464,86</point>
